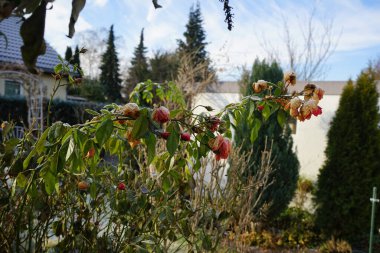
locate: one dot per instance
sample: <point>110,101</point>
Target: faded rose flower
<point>308,107</point>
<point>317,111</point>
<point>318,93</point>
<point>132,142</point>
<point>260,107</point>
<point>213,123</point>
<point>161,115</point>
<point>131,110</point>
<point>294,112</point>
<point>309,90</point>
<point>259,86</point>
<point>295,103</point>
<point>221,147</point>
<point>290,78</point>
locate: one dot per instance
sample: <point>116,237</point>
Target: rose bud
<point>165,135</point>
<point>290,78</point>
<point>121,186</point>
<point>90,153</point>
<point>185,136</point>
<point>131,110</point>
<point>260,107</point>
<point>161,115</point>
<point>83,186</point>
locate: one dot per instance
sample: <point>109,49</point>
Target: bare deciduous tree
<point>306,54</point>
<point>186,77</point>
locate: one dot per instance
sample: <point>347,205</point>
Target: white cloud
<point>100,3</point>
<point>57,22</point>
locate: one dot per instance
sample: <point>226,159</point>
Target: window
<point>12,88</point>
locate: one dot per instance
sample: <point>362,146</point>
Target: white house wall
<point>47,81</point>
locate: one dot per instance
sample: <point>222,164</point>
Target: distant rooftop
<point>330,87</point>
<point>12,53</point>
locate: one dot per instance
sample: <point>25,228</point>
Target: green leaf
<point>151,147</point>
<point>50,181</point>
<point>92,112</point>
<point>255,130</point>
<point>38,148</point>
<point>21,180</point>
<point>104,131</point>
<point>70,149</point>
<point>281,117</point>
<point>141,126</point>
<point>166,185</point>
<point>173,140</point>
<point>58,68</point>
<point>266,112</point>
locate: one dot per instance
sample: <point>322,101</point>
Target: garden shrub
<point>73,189</point>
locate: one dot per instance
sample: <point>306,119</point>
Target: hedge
<point>72,112</point>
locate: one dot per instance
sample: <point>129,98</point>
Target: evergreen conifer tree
<point>194,43</point>
<point>68,53</point>
<point>76,59</point>
<point>109,76</point>
<point>195,36</point>
<point>285,164</point>
<point>352,164</point>
<point>138,72</point>
<point>164,66</point>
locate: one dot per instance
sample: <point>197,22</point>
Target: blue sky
<point>356,26</point>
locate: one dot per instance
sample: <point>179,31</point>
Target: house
<point>310,138</point>
<point>11,63</point>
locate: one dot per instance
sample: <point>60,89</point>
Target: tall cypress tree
<point>68,53</point>
<point>138,72</point>
<point>285,164</point>
<point>352,164</point>
<point>109,76</point>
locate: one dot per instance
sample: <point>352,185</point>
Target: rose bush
<point>122,180</point>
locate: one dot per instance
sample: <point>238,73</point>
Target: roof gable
<point>12,53</point>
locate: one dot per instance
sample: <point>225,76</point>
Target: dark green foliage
<point>352,165</point>
<point>68,53</point>
<point>285,164</point>
<point>90,89</point>
<point>138,72</point>
<point>15,109</point>
<point>195,36</point>
<point>109,76</point>
<point>164,66</point>
<point>76,59</point>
